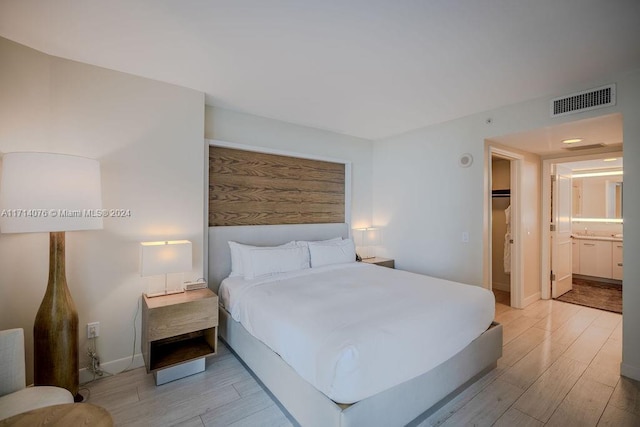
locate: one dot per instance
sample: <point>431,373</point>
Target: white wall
<point>597,228</point>
<point>531,194</point>
<point>241,128</point>
<point>148,137</point>
<point>629,103</point>
<point>426,201</point>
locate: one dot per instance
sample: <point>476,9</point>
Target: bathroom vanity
<point>597,256</point>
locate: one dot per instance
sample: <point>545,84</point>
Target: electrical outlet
<point>93,330</point>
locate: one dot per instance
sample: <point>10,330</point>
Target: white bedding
<point>354,330</point>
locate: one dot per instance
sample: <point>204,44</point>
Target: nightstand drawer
<point>178,319</point>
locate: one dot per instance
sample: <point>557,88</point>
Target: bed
<point>329,396</point>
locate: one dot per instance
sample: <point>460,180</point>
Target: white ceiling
<point>368,68</point>
<point>599,130</point>
<point>591,165</point>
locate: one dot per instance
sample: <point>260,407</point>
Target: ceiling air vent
<point>591,99</point>
<point>584,147</point>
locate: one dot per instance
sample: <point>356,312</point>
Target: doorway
<point>597,136</point>
<point>505,245</point>
<point>501,229</point>
<point>594,203</point>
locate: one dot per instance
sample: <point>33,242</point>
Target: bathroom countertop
<point>588,237</point>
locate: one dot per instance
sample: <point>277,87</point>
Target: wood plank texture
<point>614,417</point>
<point>541,399</point>
<point>513,417</point>
<point>583,406</point>
<point>486,407</point>
<point>542,379</point>
<point>250,188</point>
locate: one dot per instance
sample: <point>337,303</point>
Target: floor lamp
<point>55,193</point>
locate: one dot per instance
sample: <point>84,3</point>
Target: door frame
<point>547,164</point>
<point>517,252</point>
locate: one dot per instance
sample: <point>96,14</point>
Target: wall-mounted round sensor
<point>465,160</point>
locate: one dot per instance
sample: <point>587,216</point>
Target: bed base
<point>397,406</point>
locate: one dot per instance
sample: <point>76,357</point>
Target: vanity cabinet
<point>595,258</point>
<point>616,260</point>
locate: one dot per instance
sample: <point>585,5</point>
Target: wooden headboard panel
<point>251,188</point>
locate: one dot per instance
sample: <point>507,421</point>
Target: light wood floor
<point>560,367</point>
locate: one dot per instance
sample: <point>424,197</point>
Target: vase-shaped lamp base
<point>55,330</point>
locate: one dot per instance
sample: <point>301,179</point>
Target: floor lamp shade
<point>49,192</point>
<point>46,192</point>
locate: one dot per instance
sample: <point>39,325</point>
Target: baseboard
<point>630,371</point>
<point>598,279</point>
<point>113,367</point>
<point>530,299</point>
<point>501,286</point>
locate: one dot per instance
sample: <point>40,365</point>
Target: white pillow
<point>334,252</point>
<point>239,252</point>
<point>267,261</point>
<point>305,244</point>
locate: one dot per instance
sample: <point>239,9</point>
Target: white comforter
<point>353,330</point>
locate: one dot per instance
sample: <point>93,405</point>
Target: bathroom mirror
<point>597,197</point>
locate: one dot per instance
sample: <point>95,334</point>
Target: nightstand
<point>383,262</point>
<point>178,332</point>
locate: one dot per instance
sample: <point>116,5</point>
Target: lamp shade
<point>367,236</point>
<point>165,257</point>
<point>49,192</point>
<point>366,239</point>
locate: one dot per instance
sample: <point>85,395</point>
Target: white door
<point>561,248</point>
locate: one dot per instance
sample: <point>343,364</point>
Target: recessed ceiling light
<point>592,174</point>
<point>612,159</point>
<point>571,141</point>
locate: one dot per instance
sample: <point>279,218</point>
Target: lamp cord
<point>135,336</point>
<point>133,352</point>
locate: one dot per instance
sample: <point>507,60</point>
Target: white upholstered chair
<point>15,397</point>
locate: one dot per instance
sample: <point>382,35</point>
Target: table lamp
<point>366,239</point>
<point>55,193</point>
<point>162,258</point>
